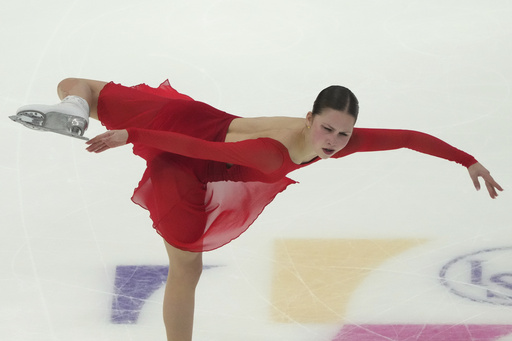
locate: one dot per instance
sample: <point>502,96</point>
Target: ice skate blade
<point>35,121</point>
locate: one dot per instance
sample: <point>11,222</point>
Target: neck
<point>302,151</point>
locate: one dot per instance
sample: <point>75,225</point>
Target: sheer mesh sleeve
<point>366,140</point>
<point>262,154</point>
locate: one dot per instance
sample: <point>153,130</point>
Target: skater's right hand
<point>105,141</point>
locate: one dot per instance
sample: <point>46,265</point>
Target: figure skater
<point>210,174</point>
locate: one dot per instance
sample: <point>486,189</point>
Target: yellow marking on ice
<point>314,279</point>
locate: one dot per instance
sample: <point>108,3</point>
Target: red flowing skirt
<point>188,211</point>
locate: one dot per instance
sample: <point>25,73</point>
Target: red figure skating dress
<point>202,192</point>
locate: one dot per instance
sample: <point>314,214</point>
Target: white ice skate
<point>70,117</point>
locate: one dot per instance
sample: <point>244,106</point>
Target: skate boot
<point>70,117</point>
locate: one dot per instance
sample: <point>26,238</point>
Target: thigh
<point>183,260</point>
<point>179,202</point>
<point>121,107</point>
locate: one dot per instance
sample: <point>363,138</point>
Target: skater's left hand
<point>477,170</point>
<point>105,141</point>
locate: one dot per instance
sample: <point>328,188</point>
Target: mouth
<point>328,151</point>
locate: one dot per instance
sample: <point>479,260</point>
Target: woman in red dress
<point>210,174</point>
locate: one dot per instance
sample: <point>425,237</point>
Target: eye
<point>327,128</point>
<point>343,134</point>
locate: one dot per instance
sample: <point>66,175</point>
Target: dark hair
<point>338,98</point>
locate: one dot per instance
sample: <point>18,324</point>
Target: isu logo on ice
<point>482,276</point>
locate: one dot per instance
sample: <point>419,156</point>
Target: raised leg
<point>69,117</point>
<point>85,88</point>
<point>185,269</point>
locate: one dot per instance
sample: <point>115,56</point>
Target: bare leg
<point>184,272</point>
<point>85,88</point>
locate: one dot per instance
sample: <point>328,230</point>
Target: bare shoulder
<point>255,127</point>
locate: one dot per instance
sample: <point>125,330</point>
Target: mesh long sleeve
<point>366,140</point>
<point>262,154</point>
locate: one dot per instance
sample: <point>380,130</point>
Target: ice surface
<point>442,67</point>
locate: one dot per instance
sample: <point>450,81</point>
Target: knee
<point>184,267</point>
<point>194,273</point>
<point>186,271</point>
<point>187,275</point>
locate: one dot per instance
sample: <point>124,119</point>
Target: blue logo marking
<point>483,276</point>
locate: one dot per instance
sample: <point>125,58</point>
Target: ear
<point>309,119</point>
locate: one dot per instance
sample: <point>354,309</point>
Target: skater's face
<point>330,131</point>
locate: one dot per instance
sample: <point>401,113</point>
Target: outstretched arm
<point>365,140</point>
<point>260,154</point>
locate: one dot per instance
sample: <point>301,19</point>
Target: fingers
<point>477,171</point>
<point>495,184</point>
<point>105,141</point>
<point>492,186</point>
<point>491,190</point>
<point>97,147</point>
<point>99,143</point>
<point>476,183</point>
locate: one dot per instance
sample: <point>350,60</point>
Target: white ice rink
<point>378,246</point>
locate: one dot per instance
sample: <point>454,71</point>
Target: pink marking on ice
<point>427,332</point>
